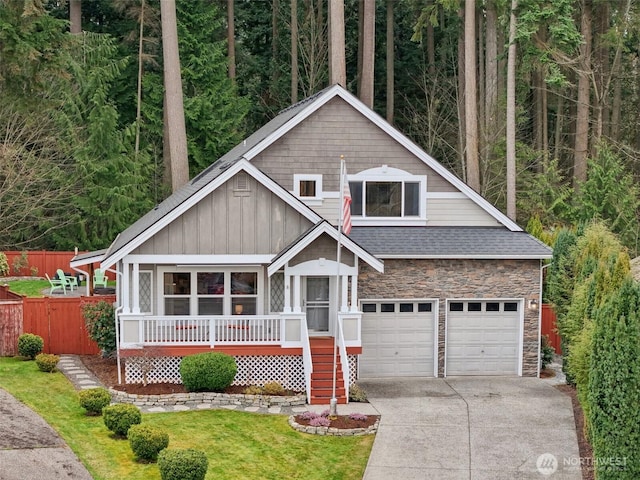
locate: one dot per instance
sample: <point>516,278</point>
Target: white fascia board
<point>87,260</point>
<point>466,257</point>
<point>242,164</point>
<point>325,227</point>
<point>199,260</point>
<point>429,160</point>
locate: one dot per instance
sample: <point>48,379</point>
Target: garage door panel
<point>482,342</point>
<point>397,343</point>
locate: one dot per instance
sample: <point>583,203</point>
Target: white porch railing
<point>344,359</point>
<point>306,357</point>
<point>142,330</point>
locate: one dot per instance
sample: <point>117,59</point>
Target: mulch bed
<point>343,421</point>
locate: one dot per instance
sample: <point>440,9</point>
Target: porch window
<point>210,293</point>
<point>244,293</point>
<point>177,292</point>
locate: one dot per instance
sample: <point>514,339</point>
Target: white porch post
<point>287,293</point>
<point>354,293</point>
<point>136,287</point>
<point>296,294</point>
<point>344,283</point>
<point>125,288</point>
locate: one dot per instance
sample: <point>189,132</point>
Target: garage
<point>483,337</point>
<point>397,338</point>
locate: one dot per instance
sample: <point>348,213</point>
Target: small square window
<point>388,307</point>
<point>424,307</point>
<point>474,307</point>
<point>369,308</point>
<point>307,188</point>
<point>510,306</point>
<point>456,307</point>
<point>406,307</point>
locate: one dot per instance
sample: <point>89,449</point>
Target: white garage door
<point>483,337</point>
<point>397,339</point>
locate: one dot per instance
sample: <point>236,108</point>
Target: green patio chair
<point>56,285</point>
<point>67,280</point>
<point>99,278</point>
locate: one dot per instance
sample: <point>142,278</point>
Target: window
<point>510,306</point>
<point>308,187</point>
<point>388,307</point>
<point>369,308</point>
<point>406,307</point>
<point>456,307</point>
<point>493,307</point>
<point>221,292</point>
<point>474,307</point>
<point>424,307</point>
<point>387,193</point>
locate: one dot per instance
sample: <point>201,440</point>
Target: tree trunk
<point>368,35</point>
<point>461,100</point>
<point>337,61</point>
<point>491,70</point>
<point>602,71</point>
<point>139,93</point>
<point>75,16</point>
<point>175,124</point>
<point>294,51</point>
<point>559,126</point>
<point>231,40</point>
<point>615,111</point>
<point>431,48</point>
<point>390,62</point>
<point>511,115</point>
<point>582,110</point>
<point>470,97</point>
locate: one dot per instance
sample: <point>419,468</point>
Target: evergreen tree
<point>614,386</point>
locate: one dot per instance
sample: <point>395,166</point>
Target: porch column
<point>125,288</point>
<point>287,293</point>
<point>296,294</point>
<point>344,293</point>
<point>354,293</point>
<point>135,282</point>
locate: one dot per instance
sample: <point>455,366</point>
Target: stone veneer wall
<point>468,279</point>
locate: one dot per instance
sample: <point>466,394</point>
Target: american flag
<point>346,203</point>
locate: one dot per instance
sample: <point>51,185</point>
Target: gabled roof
<point>188,196</point>
<point>294,115</point>
<point>450,242</point>
<point>304,240</point>
<point>88,258</point>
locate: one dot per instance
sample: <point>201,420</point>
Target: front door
<point>316,304</point>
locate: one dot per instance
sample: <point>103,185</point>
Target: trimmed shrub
<point>147,441</point>
<point>546,351</point>
<point>47,362</point>
<point>120,417</point>
<point>208,372</point>
<point>273,388</point>
<point>30,345</point>
<point>4,265</point>
<point>357,394</point>
<point>93,400</point>
<point>182,464</point>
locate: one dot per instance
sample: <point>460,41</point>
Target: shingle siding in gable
<point>337,129</point>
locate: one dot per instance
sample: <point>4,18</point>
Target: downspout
<point>86,275</point>
<point>117,312</point>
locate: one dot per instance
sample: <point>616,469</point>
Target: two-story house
<point>432,279</point>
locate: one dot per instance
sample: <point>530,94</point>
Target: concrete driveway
<point>472,428</point>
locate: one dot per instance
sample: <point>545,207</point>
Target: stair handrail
<point>306,357</point>
<point>344,359</point>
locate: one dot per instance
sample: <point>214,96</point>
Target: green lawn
<point>238,445</point>
<point>30,288</point>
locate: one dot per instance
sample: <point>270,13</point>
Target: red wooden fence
<point>41,262</point>
<point>58,321</point>
<point>549,327</point>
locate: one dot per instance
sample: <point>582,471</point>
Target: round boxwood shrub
<point>47,362</point>
<point>119,417</point>
<point>147,441</point>
<point>273,388</point>
<point>93,400</point>
<point>30,345</point>
<point>209,372</point>
<point>182,464</point>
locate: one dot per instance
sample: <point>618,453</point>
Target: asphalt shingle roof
<point>449,242</point>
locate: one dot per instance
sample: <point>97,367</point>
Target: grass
<point>30,288</point>
<point>238,445</point>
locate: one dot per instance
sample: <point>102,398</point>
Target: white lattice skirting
<point>288,370</point>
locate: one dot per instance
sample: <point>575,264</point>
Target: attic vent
<point>242,182</point>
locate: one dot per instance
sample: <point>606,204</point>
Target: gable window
<point>308,187</point>
<point>387,193</point>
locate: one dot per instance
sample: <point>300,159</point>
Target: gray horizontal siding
<point>451,212</point>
